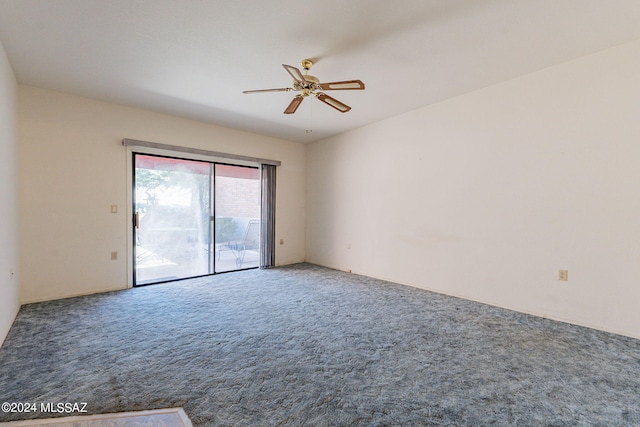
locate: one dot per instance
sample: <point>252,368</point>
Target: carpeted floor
<point>305,345</point>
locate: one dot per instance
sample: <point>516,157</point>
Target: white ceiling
<point>193,58</point>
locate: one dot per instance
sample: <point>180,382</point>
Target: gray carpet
<point>305,345</point>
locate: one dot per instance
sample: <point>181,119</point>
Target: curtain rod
<point>137,143</point>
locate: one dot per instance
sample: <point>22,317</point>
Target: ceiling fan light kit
<point>307,85</point>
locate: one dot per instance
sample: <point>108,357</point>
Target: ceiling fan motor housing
<point>312,84</point>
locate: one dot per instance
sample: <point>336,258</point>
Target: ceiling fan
<point>307,85</point>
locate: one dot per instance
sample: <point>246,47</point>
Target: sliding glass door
<point>237,217</point>
<point>193,218</point>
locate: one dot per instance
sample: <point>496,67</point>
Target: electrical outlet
<point>114,208</point>
<point>282,241</point>
<point>114,256</point>
<point>563,275</point>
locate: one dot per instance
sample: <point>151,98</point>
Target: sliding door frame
<point>186,154</point>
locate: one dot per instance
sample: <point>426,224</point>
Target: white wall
<point>73,167</point>
<point>9,266</point>
<point>486,196</point>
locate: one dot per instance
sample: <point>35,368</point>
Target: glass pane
<point>172,205</point>
<point>237,217</point>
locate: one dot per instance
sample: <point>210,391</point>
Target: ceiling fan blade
<point>332,102</point>
<point>295,73</point>
<point>282,89</point>
<point>293,106</point>
<point>345,85</point>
